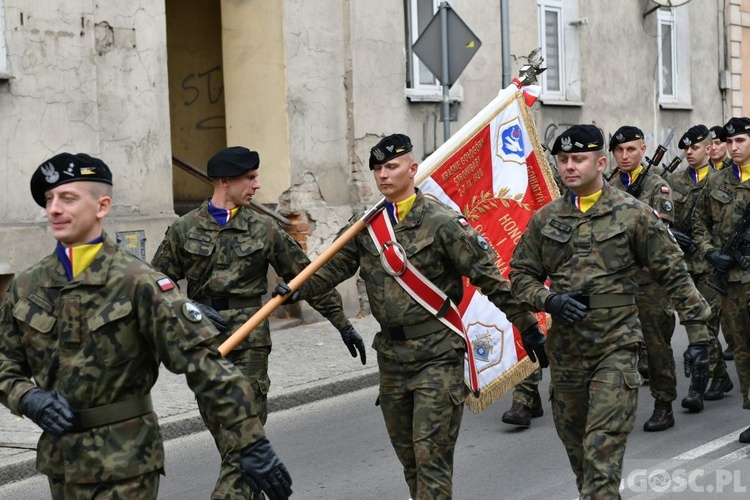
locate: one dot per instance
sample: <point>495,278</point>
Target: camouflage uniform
<point>422,388</point>
<point>594,382</point>
<point>720,207</point>
<point>231,263</point>
<point>654,307</point>
<point>99,339</point>
<point>686,192</point>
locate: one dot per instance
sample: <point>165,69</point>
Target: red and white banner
<point>495,173</point>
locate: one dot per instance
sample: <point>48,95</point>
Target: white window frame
<point>416,91</point>
<point>568,27</point>
<point>4,67</point>
<point>677,24</point>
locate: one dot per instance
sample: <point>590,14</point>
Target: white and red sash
<point>421,289</point>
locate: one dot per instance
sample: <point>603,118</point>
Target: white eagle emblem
<point>730,128</point>
<point>686,141</point>
<point>566,144</point>
<point>50,173</point>
<point>620,137</point>
<point>378,154</point>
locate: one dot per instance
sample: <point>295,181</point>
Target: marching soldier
<point>686,188</point>
<point>420,359</point>
<point>223,249</point>
<point>589,243</point>
<point>84,333</point>
<point>722,205</point>
<point>655,311</point>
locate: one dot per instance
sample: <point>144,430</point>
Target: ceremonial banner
<point>495,173</point>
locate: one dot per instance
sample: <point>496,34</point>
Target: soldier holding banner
<point>588,244</point>
<point>421,352</point>
<point>224,249</point>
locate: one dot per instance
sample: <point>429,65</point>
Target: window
<point>4,70</point>
<point>421,84</point>
<point>558,38</point>
<point>673,36</point>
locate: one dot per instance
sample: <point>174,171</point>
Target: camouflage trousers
<point>657,319</point>
<point>717,365</point>
<point>143,487</point>
<point>594,408</point>
<point>735,311</point>
<point>422,404</point>
<point>253,363</point>
<point>527,392</point>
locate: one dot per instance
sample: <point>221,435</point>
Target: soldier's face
<point>395,178</point>
<point>75,212</point>
<point>718,150</point>
<point>582,172</point>
<point>628,155</point>
<point>696,155</point>
<point>241,189</point>
<point>739,149</point>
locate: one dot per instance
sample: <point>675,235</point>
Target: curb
<point>190,422</point>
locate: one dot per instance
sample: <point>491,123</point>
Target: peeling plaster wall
<point>89,77</point>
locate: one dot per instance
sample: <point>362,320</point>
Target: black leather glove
<point>685,242</point>
<point>565,307</point>
<point>533,343</point>
<point>213,316</point>
<point>696,365</point>
<point>353,341</point>
<point>283,289</point>
<point>720,261</point>
<point>263,471</point>
<point>49,410</point>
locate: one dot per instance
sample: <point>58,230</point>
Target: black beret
<point>388,148</point>
<point>735,126</point>
<point>715,131</point>
<point>695,134</point>
<point>231,162</point>
<point>625,133</point>
<point>64,168</point>
<point>579,139</point>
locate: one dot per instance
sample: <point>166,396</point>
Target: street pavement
<point>308,362</point>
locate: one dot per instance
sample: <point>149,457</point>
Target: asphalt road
<point>338,449</point>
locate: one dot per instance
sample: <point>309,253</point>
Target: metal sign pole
<point>446,74</point>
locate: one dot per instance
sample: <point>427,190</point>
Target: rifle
<point>732,247</point>
<point>635,188</point>
<point>612,174</point>
<point>668,169</point>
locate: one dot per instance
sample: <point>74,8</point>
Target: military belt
<point>606,300</point>
<point>225,303</point>
<point>113,413</point>
<point>413,331</point>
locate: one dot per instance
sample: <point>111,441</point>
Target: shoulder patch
<point>462,220</point>
<point>165,284</point>
<point>665,189</point>
<point>482,242</point>
<point>666,206</point>
<point>191,312</point>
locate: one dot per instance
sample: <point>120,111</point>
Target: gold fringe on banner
<point>500,386</point>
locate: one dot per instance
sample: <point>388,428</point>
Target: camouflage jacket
<point>100,339</point>
<point>686,193</point>
<point>720,208</point>
<point>232,261</point>
<point>655,193</point>
<point>441,248</point>
<point>594,252</point>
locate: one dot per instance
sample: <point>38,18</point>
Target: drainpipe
<point>505,40</point>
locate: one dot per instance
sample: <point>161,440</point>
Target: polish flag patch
<point>665,189</point>
<point>165,284</point>
<point>463,222</point>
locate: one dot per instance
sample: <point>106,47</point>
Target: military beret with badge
<point>579,139</point>
<point>715,131</point>
<point>232,162</point>
<point>735,126</point>
<point>694,135</point>
<point>65,168</point>
<point>388,148</point>
<point>626,133</point>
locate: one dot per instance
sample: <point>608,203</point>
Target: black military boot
<point>520,414</point>
<point>718,387</point>
<point>745,436</point>
<point>643,363</point>
<point>661,420</point>
<point>693,401</point>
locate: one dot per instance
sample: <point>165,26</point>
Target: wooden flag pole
<point>270,306</point>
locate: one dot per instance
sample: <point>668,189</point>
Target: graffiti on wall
<point>206,90</point>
